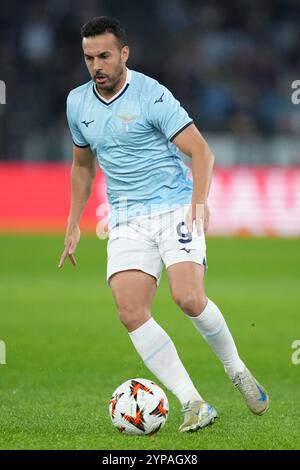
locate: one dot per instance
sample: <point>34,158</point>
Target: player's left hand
<point>198,213</point>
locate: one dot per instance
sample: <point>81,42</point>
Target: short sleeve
<point>77,136</point>
<point>166,114</point>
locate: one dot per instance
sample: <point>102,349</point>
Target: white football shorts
<point>146,243</point>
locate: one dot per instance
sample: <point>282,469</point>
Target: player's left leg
<point>186,280</point>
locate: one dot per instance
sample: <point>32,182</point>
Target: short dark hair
<point>105,24</point>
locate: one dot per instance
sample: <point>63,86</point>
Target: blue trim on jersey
<point>112,101</point>
<point>180,130</point>
<point>81,146</point>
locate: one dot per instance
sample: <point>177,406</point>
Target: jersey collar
<point>117,95</point>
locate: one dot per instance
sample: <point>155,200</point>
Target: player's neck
<point>108,94</point>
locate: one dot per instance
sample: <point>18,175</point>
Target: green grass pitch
<point>66,350</point>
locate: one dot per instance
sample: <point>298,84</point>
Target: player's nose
<point>98,64</point>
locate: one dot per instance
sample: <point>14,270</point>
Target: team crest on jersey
<point>127,119</point>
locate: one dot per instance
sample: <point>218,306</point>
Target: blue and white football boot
<point>255,396</point>
<point>197,414</point>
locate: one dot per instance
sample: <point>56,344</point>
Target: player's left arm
<point>191,143</point>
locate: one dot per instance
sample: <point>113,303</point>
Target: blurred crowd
<point>230,63</point>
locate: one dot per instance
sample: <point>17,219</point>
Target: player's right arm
<point>82,176</point>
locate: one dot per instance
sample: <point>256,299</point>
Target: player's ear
<point>125,53</point>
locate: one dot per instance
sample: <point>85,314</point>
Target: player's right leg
<point>134,268</point>
<point>133,291</point>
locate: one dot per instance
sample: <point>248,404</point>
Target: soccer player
<point>135,129</point>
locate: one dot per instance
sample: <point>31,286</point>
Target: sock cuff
<point>144,329</point>
<point>210,321</point>
<point>206,312</point>
<point>147,333</point>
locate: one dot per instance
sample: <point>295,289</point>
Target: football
<point>138,406</point>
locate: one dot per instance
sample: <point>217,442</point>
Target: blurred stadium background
<point>231,64</point>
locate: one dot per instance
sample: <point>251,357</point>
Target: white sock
<point>160,356</point>
<point>214,329</point>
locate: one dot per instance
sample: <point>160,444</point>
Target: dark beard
<point>111,88</point>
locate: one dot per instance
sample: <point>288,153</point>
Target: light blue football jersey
<point>131,136</point>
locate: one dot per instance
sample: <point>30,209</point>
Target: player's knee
<point>126,316</point>
<point>191,303</point>
<point>131,317</point>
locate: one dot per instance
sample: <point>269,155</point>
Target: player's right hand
<point>71,240</point>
